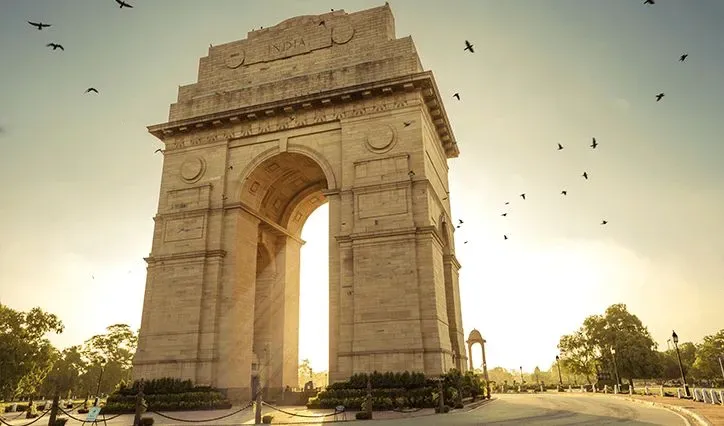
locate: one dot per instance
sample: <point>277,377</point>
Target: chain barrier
<point>176,419</point>
<point>26,424</point>
<point>302,415</point>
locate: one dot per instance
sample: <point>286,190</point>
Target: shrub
<point>459,405</point>
<point>19,409</point>
<point>146,421</point>
<point>363,415</point>
<point>267,419</point>
<point>60,421</point>
<point>83,410</point>
<point>445,409</point>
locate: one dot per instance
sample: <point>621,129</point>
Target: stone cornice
<point>203,254</point>
<point>423,82</point>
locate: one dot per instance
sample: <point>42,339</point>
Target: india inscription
<point>309,111</point>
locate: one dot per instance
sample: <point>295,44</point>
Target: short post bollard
<point>257,399</point>
<point>605,388</point>
<point>441,400</point>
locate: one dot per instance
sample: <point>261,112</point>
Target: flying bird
<point>158,150</point>
<point>465,242</point>
<point>504,214</point>
<point>321,23</point>
<point>507,202</point>
<point>91,89</point>
<point>505,237</point>
<point>683,57</point>
<point>55,46</point>
<point>469,47</point>
<point>603,222</point>
<point>457,96</point>
<point>594,144</point>
<point>39,25</point>
<point>564,192</point>
<point>522,196</point>
<point>231,167</point>
<point>560,147</point>
<point>649,2</point>
<point>460,221</point>
<point>123,4</point>
<point>585,175</point>
<point>659,96</point>
<point>407,123</point>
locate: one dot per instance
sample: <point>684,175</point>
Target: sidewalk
<point>713,413</point>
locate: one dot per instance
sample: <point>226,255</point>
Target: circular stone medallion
<point>234,60</point>
<point>342,32</point>
<point>381,139</point>
<point>192,169</point>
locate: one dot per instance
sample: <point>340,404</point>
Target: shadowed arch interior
<point>285,189</point>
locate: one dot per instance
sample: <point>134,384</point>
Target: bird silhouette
<point>55,46</point>
<point>649,2</point>
<point>460,221</point>
<point>564,192</point>
<point>465,242</point>
<point>39,25</point>
<point>683,57</point>
<point>91,89</point>
<point>321,23</point>
<point>585,175</point>
<point>560,147</point>
<point>158,150</point>
<point>231,167</point>
<point>445,198</point>
<point>407,123</point>
<point>123,4</point>
<point>457,95</point>
<point>505,237</point>
<point>659,96</point>
<point>504,214</point>
<point>469,47</point>
<point>508,202</point>
<point>594,144</point>
<point>603,222</point>
<point>522,195</point>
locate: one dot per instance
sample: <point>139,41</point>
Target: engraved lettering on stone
<point>184,229</point>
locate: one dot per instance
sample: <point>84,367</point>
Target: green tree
<point>305,372</point>
<point>500,375</point>
<point>578,354</point>
<point>109,359</point>
<point>635,350</point>
<point>64,378</point>
<point>707,356</point>
<point>26,355</point>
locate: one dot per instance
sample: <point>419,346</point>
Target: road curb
<point>696,416</point>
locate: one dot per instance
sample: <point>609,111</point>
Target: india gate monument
<point>325,108</point>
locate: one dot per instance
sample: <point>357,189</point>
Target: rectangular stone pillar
<point>236,305</point>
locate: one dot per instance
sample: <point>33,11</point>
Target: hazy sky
<point>80,181</point>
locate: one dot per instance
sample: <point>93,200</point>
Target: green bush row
<point>125,407</point>
<point>208,396</point>
<point>378,402</point>
<point>165,385</point>
<point>387,380</point>
<point>388,393</point>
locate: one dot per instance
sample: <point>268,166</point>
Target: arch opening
<point>283,191</point>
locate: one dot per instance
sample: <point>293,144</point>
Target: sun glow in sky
<point>80,180</point>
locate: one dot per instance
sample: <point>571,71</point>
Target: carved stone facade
<point>328,108</point>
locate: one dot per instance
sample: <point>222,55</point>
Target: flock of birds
<point>58,46</point>
<point>469,47</point>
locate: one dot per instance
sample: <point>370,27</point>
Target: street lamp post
<point>521,378</point>
<point>675,338</point>
<point>485,370</point>
<point>615,367</point>
<point>560,378</point>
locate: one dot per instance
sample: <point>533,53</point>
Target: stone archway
<point>278,123</point>
<point>473,338</point>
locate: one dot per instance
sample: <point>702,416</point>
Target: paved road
<point>552,409</point>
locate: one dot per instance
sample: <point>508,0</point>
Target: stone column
<point>236,305</point>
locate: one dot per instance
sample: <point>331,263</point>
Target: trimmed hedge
<point>166,395</point>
